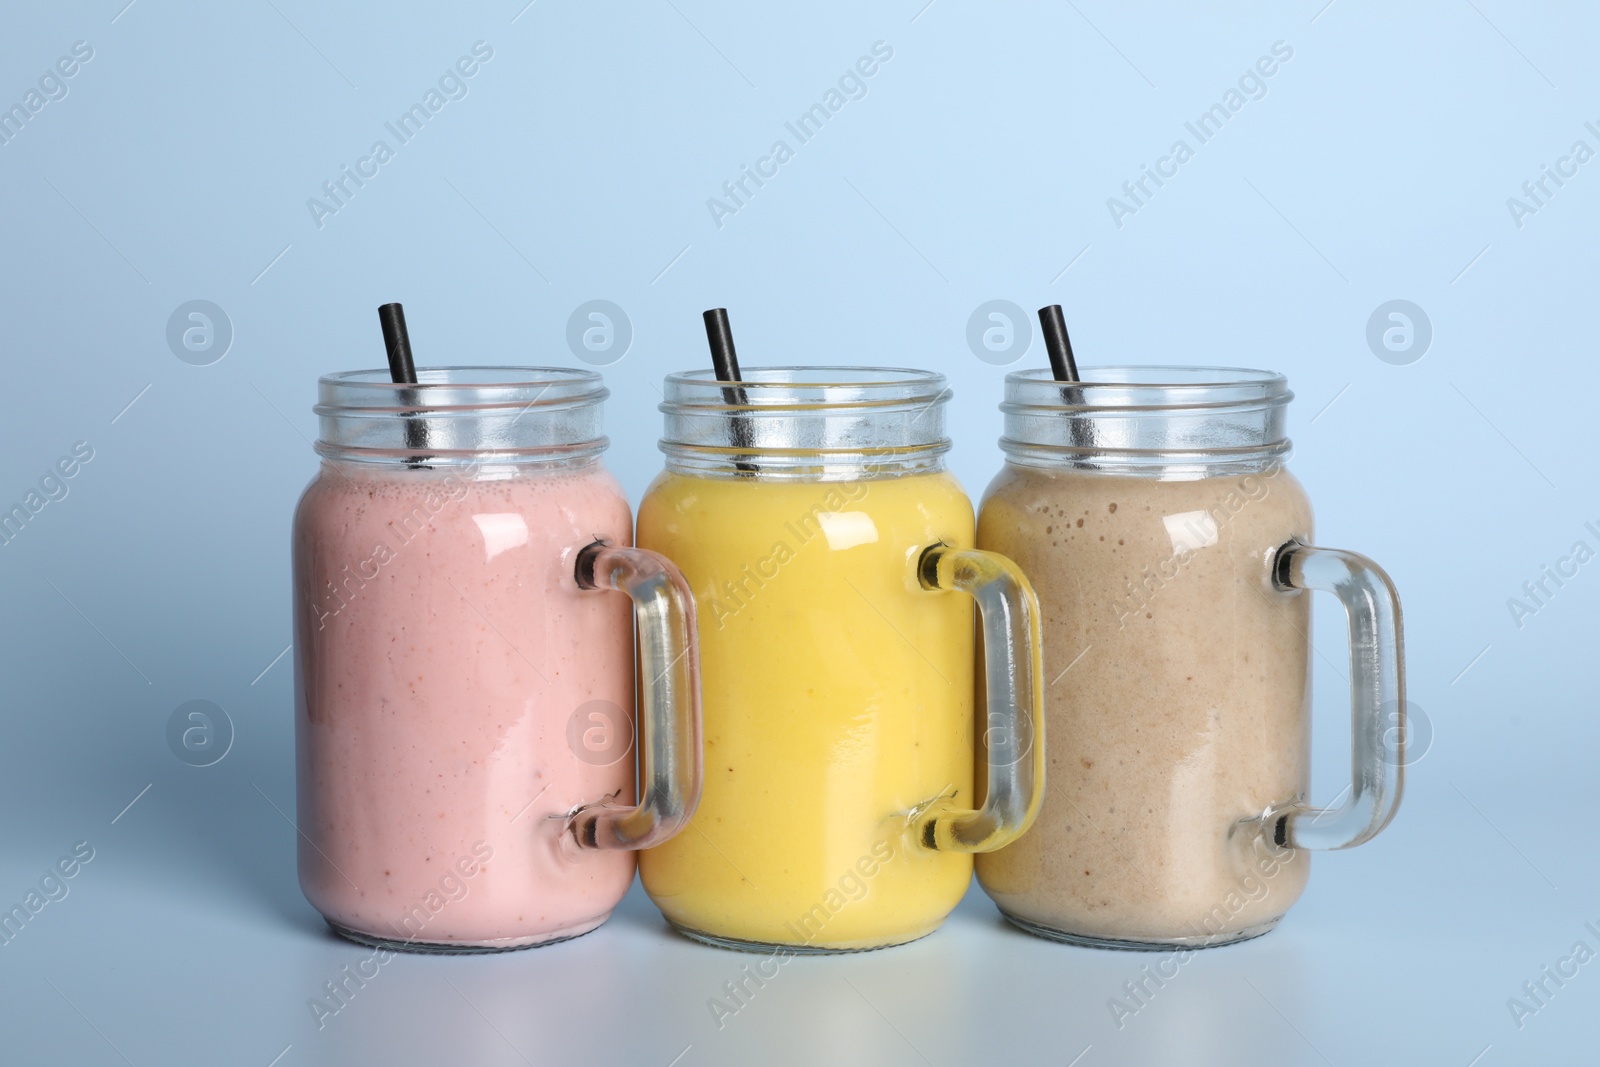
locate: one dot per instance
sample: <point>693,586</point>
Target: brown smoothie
<point>1177,702</point>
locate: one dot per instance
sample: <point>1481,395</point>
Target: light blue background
<point>977,167</point>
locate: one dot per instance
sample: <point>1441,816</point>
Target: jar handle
<point>1377,699</point>
<point>1013,669</point>
<point>669,700</point>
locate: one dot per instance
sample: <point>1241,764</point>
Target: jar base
<point>464,948</point>
<point>772,947</point>
<point>1143,944</point>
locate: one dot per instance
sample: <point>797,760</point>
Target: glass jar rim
<point>465,414</point>
<point>488,386</point>
<point>805,422</point>
<point>1100,384</point>
<point>1166,421</point>
<point>830,385</point>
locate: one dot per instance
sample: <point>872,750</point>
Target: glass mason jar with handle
<point>832,562</point>
<point>464,667</point>
<point>1171,551</point>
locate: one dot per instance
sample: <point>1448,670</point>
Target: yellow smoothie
<point>837,699</point>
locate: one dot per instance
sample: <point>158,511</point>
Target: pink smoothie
<point>441,650</point>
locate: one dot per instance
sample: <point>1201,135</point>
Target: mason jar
<point>464,672</point>
<point>832,562</point>
<point>1171,550</point>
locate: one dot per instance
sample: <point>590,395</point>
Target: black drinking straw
<point>725,363</point>
<point>403,371</point>
<point>392,317</point>
<point>1056,342</point>
<point>1062,366</point>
